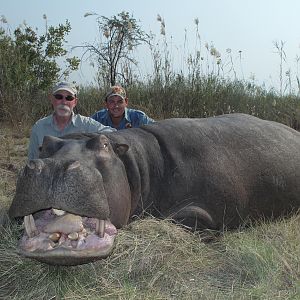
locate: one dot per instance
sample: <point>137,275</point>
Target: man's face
<point>116,105</point>
<point>63,103</point>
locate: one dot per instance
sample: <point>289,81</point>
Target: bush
<point>28,68</point>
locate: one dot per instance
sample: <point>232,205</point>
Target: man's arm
<point>144,120</point>
<point>95,126</point>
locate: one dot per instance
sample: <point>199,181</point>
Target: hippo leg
<point>194,217</point>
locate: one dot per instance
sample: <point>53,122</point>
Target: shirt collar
<point>73,119</point>
<point>126,115</point>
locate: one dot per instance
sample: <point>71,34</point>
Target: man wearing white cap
<point>63,120</point>
<point>116,114</point>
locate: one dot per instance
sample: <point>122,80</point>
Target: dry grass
<point>158,260</point>
<point>154,259</point>
<point>13,152</point>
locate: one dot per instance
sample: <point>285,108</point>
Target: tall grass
<point>208,96</point>
<point>205,85</point>
<point>202,82</point>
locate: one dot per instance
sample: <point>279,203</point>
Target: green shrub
<point>29,67</point>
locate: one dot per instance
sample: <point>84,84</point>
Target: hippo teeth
<point>100,227</point>
<point>54,237</point>
<point>30,227</point>
<point>58,212</point>
<point>73,236</point>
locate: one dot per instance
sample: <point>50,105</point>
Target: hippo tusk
<point>30,227</point>
<point>100,227</point>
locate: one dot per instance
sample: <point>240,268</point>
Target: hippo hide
<point>213,173</point>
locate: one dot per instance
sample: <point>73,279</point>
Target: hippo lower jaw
<point>60,238</point>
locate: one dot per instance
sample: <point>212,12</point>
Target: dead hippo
<point>206,173</point>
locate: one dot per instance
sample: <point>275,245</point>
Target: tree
<point>119,36</point>
<point>29,65</point>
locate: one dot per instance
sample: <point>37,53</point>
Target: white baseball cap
<point>65,86</point>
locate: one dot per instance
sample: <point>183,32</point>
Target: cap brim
<point>110,95</point>
<point>65,89</point>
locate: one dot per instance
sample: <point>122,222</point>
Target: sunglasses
<point>60,97</point>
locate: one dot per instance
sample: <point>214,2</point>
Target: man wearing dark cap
<point>116,114</point>
<point>63,120</point>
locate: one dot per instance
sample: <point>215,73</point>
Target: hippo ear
<point>50,145</point>
<point>120,149</point>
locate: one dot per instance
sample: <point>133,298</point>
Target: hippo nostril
<point>74,165</point>
<point>36,164</point>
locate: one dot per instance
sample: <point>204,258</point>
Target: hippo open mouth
<point>57,237</point>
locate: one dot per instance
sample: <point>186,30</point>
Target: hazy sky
<point>249,26</point>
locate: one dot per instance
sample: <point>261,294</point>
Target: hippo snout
<point>65,210</point>
<point>69,185</point>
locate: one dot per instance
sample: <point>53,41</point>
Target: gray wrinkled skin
<point>205,173</point>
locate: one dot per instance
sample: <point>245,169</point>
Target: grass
<point>154,259</point>
<point>203,97</point>
<point>13,149</point>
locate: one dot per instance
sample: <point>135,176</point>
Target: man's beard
<point>63,110</point>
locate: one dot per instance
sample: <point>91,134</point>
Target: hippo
<point>205,173</point>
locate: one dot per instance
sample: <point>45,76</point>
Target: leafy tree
<point>29,64</point>
<point>119,36</point>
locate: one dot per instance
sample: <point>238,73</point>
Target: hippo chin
<point>204,173</point>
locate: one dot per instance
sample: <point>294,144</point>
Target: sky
<point>248,27</point>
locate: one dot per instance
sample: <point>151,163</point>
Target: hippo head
<point>72,199</point>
